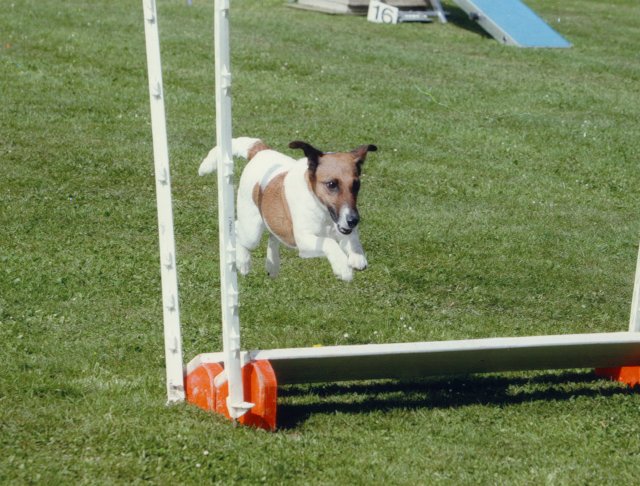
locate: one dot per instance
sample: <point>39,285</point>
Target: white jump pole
<point>226,216</point>
<point>634,320</point>
<point>168,272</point>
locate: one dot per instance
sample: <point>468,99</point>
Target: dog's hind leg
<point>247,239</point>
<point>272,263</point>
<point>249,229</point>
<point>243,258</point>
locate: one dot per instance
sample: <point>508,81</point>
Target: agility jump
<point>243,384</point>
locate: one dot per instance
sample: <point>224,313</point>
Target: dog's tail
<point>244,147</point>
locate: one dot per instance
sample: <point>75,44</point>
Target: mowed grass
<point>503,201</point>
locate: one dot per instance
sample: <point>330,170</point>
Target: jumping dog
<point>307,204</point>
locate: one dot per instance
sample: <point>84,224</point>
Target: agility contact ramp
<point>512,23</point>
<point>242,385</point>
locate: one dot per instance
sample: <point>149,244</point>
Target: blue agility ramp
<point>512,23</point>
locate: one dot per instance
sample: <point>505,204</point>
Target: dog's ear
<point>361,153</point>
<point>313,154</point>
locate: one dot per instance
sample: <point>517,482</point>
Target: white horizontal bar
<point>416,360</point>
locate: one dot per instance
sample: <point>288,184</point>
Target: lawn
<point>502,202</point>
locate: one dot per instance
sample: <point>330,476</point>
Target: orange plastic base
<point>625,374</point>
<point>260,388</point>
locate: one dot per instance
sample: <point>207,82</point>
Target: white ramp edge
<point>421,359</point>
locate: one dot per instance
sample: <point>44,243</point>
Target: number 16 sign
<point>381,13</point>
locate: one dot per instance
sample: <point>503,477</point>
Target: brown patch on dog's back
<point>259,146</point>
<point>274,209</point>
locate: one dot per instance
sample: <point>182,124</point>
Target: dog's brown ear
<point>313,154</point>
<point>361,153</point>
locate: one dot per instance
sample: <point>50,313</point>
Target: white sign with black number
<point>381,13</point>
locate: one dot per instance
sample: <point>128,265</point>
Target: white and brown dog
<point>308,204</point>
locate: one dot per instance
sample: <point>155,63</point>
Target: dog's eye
<point>332,185</point>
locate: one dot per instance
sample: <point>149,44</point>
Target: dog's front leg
<point>353,248</point>
<point>310,246</point>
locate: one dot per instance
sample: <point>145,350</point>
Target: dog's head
<point>334,177</point>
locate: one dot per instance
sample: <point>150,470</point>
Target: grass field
<point>503,201</point>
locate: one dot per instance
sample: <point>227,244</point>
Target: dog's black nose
<point>352,220</point>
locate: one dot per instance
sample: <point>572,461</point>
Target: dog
<point>307,204</point>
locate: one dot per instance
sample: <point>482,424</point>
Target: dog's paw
<point>357,261</point>
<point>243,267</point>
<point>210,162</point>
<point>343,272</point>
<point>347,275</point>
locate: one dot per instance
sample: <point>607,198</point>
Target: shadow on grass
<point>358,398</point>
<point>459,18</point>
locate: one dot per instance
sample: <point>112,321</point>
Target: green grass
<point>502,202</point>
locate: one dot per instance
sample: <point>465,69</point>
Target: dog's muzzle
<point>348,220</point>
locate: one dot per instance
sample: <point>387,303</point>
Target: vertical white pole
<point>226,215</point>
<point>168,273</point>
<point>634,320</point>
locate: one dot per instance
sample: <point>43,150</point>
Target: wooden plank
<point>357,7</point>
<point>334,6</point>
<point>421,359</point>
